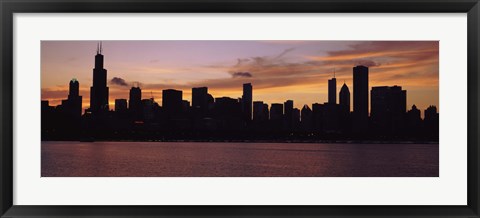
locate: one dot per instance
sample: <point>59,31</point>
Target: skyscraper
<point>345,97</point>
<point>70,111</point>
<point>148,109</point>
<point>99,89</point>
<point>388,108</point>
<point>172,101</point>
<point>431,113</point>
<point>288,106</point>
<point>200,99</point>
<point>229,112</point>
<point>276,112</point>
<point>431,121</point>
<point>276,117</point>
<point>344,109</point>
<point>247,101</point>
<point>135,103</point>
<point>295,119</point>
<point>121,105</point>
<point>74,99</point>
<point>306,119</point>
<point>259,111</point>
<point>74,89</point>
<point>185,105</point>
<point>318,112</point>
<point>414,121</point>
<point>266,112</point>
<point>360,99</point>
<point>332,91</point>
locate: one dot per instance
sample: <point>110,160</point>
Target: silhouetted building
<point>360,99</point>
<point>331,118</point>
<point>74,89</point>
<point>135,103</point>
<point>344,116</point>
<point>64,119</point>
<point>122,115</point>
<point>259,111</point>
<point>172,102</point>
<point>47,118</point>
<point>306,119</point>
<point>317,117</point>
<point>74,101</point>
<point>414,121</point>
<point>260,118</point>
<point>45,105</point>
<point>148,109</point>
<point>227,105</point>
<point>276,117</point>
<point>202,105</point>
<point>121,105</point>
<point>295,119</point>
<point>247,101</point>
<point>185,106</point>
<point>288,106</point>
<point>276,112</point>
<point>266,112</point>
<point>345,97</point>
<point>388,107</point>
<point>332,91</point>
<point>431,113</point>
<point>431,121</point>
<point>228,113</point>
<point>200,99</point>
<point>99,89</point>
<point>211,102</point>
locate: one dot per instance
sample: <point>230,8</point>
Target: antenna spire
<point>334,72</point>
<point>100,47</point>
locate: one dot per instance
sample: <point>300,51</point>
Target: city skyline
<point>268,73</point>
<point>226,118</point>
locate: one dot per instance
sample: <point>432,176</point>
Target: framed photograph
<point>239,109</point>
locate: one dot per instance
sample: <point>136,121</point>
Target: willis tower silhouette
<point>99,89</point>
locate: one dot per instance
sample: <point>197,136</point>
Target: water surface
<point>200,159</point>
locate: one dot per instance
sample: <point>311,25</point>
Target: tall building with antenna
<point>99,89</point>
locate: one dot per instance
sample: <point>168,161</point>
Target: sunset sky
<point>278,70</point>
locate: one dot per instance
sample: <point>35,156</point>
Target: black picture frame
<point>9,7</point>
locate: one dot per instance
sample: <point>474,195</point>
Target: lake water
<point>195,159</point>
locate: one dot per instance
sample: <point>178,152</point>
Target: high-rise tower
<point>74,88</point>
<point>360,99</point>
<point>332,91</point>
<point>74,105</point>
<point>387,109</point>
<point>99,89</point>
<point>200,99</point>
<point>345,97</point>
<point>288,108</point>
<point>135,103</point>
<point>172,102</point>
<point>247,101</point>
